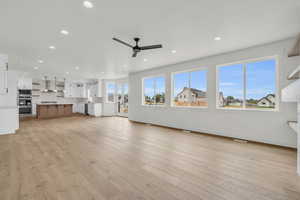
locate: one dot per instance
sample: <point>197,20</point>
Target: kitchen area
<point>51,97</point>
<point>27,95</point>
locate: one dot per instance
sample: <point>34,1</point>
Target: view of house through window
<point>110,92</point>
<point>189,88</point>
<point>250,85</point>
<point>154,91</point>
<point>122,98</point>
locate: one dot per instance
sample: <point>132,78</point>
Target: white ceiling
<point>29,27</point>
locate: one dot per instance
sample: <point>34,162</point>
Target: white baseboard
<point>7,131</point>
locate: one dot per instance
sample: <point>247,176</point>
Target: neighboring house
<point>267,101</point>
<point>191,95</point>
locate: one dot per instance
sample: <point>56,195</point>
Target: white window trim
<point>172,87</point>
<point>106,92</point>
<point>244,63</point>
<point>143,90</point>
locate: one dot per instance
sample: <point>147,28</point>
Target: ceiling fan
<point>136,49</point>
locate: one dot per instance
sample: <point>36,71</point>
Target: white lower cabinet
<point>95,109</point>
<point>75,105</point>
<point>81,108</point>
<point>78,108</point>
<point>34,109</point>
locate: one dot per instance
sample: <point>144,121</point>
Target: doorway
<point>122,99</point>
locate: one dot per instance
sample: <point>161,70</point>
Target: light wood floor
<point>82,158</point>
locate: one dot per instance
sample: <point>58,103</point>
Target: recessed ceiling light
<point>36,68</point>
<point>217,38</point>
<point>77,68</point>
<point>52,47</point>
<point>67,72</point>
<point>145,60</point>
<point>88,4</point>
<point>40,61</point>
<point>64,32</point>
<point>174,51</point>
<point>102,72</point>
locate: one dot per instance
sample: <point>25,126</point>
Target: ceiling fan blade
<point>122,42</point>
<point>151,47</point>
<point>134,54</point>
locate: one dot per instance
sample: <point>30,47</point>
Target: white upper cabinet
<point>25,84</point>
<point>68,89</point>
<point>80,90</point>
<point>75,90</point>
<point>95,89</point>
<point>3,74</point>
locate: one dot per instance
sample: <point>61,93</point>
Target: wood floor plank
<point>112,158</point>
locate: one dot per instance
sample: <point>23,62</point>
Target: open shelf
<point>295,74</point>
<point>293,125</point>
<point>291,93</point>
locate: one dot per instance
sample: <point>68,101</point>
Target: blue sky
<point>260,79</point>
<point>149,83</point>
<point>111,88</point>
<point>198,81</point>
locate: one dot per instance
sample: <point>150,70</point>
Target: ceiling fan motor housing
<point>136,49</point>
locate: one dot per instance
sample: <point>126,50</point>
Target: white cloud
<point>227,84</point>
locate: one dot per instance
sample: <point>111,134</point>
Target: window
<point>110,92</point>
<point>189,89</point>
<point>154,91</point>
<point>248,85</point>
<point>125,109</point>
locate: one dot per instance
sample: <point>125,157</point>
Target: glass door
<point>122,99</point>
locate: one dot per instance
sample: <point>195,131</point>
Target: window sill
<point>249,109</point>
<point>162,106</point>
<point>188,107</point>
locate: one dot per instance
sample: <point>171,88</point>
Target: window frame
<point>143,90</point>
<point>106,92</point>
<point>244,64</point>
<point>173,84</point>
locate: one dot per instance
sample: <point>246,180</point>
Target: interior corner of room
<point>172,98</point>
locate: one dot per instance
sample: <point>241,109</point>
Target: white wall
<point>9,114</point>
<point>263,126</point>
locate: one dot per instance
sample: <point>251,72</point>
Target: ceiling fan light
<point>88,4</point>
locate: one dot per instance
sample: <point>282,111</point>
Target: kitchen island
<point>45,111</point>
